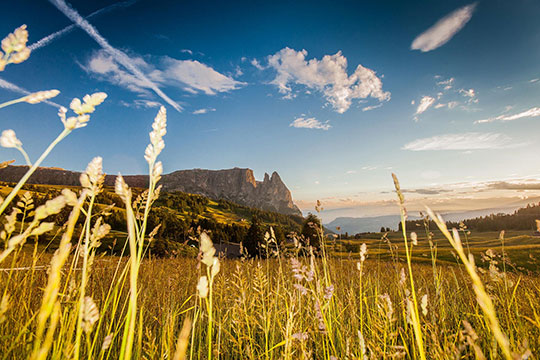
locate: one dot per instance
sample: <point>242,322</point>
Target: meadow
<point>402,296</point>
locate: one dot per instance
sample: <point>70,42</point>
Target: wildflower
<point>9,139</point>
<point>409,311</point>
<point>297,269</point>
<point>82,110</point>
<point>328,292</point>
<point>40,96</point>
<point>387,306</point>
<point>319,315</point>
<point>424,304</point>
<point>300,336</point>
<point>202,287</point>
<point>14,45</point>
<point>363,252</point>
<point>106,342</point>
<point>207,249</point>
<point>301,288</point>
<point>121,189</point>
<point>4,306</point>
<point>93,177</point>
<point>414,238</point>
<point>89,103</point>
<point>402,277</point>
<point>51,207</point>
<point>362,346</point>
<point>159,129</point>
<point>90,314</point>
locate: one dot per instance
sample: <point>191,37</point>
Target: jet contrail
<point>10,86</point>
<point>48,39</point>
<point>117,55</point>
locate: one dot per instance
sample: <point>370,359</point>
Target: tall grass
<point>298,303</point>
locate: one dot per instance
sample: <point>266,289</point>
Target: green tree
<point>254,237</point>
<point>312,230</point>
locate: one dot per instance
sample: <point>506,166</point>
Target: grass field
<point>271,309</point>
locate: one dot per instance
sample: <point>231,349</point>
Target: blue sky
<point>333,95</point>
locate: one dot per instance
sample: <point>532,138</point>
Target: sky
<point>334,96</point>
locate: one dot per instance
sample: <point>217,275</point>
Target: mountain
<point>236,185</point>
<point>354,225</point>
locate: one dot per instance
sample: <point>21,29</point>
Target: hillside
<point>179,214</point>
<point>236,185</point>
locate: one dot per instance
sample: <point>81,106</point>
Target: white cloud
<point>198,77</point>
<point>187,51</point>
<point>310,123</point>
<point>447,83</point>
<point>257,64</point>
<point>119,56</point>
<point>465,141</point>
<point>350,172</point>
<point>372,107</point>
<point>424,104</point>
<point>468,93</point>
<point>443,30</point>
<point>450,105</point>
<point>533,80</point>
<point>203,111</point>
<point>189,75</point>
<point>370,168</point>
<point>141,104</point>
<point>19,90</point>
<point>328,76</point>
<point>532,112</point>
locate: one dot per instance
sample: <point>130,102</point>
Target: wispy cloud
<point>141,104</point>
<point>188,75</point>
<point>370,167</point>
<point>372,107</point>
<point>203,111</point>
<point>187,51</point>
<point>198,77</point>
<point>119,56</point>
<point>532,112</point>
<point>50,38</point>
<point>257,64</point>
<point>310,123</point>
<point>465,141</point>
<point>328,76</point>
<point>443,30</point>
<point>19,90</point>
<point>425,103</point>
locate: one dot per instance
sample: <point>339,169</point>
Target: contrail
<point>48,39</point>
<point>12,87</point>
<point>117,55</point>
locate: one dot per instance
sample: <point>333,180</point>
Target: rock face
<point>237,185</point>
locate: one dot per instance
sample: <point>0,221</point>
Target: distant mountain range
<point>354,225</point>
<point>236,185</point>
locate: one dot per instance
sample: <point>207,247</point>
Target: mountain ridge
<point>236,184</point>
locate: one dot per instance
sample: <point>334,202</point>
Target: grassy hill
<point>180,215</point>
